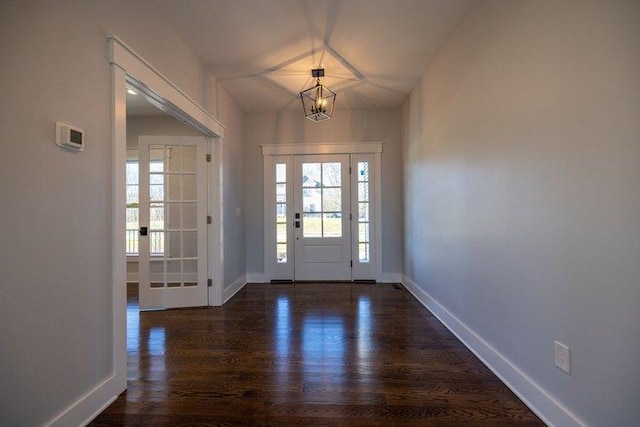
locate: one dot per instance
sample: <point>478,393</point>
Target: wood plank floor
<point>307,354</point>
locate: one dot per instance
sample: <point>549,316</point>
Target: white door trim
<point>347,148</point>
<point>272,152</point>
<point>128,67</point>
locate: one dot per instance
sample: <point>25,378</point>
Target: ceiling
<point>262,51</point>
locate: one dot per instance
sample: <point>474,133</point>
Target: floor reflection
<point>364,327</point>
<point>323,348</point>
<point>282,327</point>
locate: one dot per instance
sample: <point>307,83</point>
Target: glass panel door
<point>173,201</point>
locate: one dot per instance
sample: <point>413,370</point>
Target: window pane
<point>189,158</point>
<point>132,173</point>
<point>156,242</point>
<point>156,158</point>
<point>189,244</point>
<point>331,200</point>
<point>156,193</point>
<point>189,215</point>
<point>132,240</point>
<point>281,233</point>
<point>174,182</point>
<point>174,158</point>
<point>281,193</point>
<point>311,199</point>
<point>156,178</point>
<point>281,212</point>
<point>132,194</point>
<point>363,192</point>
<point>363,211</point>
<point>190,272</point>
<point>363,232</point>
<point>311,225</point>
<point>173,215</point>
<point>332,225</point>
<point>156,270</point>
<point>132,218</point>
<point>331,174</point>
<point>311,175</point>
<point>363,252</point>
<point>174,273</point>
<point>172,246</point>
<point>189,187</point>
<point>281,172</point>
<point>281,253</point>
<point>363,171</point>
<point>156,216</point>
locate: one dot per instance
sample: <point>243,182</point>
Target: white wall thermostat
<point>69,137</point>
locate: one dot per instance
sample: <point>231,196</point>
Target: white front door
<point>173,221</point>
<point>321,208</point>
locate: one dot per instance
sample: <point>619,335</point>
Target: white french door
<point>173,220</point>
<point>321,219</point>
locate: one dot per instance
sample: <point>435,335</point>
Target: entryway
<point>322,219</point>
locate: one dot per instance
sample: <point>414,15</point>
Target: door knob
<point>144,231</point>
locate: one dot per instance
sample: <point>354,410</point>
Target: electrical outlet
<point>562,357</point>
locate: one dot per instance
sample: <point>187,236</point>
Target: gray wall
<point>522,180</point>
<point>55,232</point>
<point>345,126</point>
<point>156,126</point>
<point>234,265</point>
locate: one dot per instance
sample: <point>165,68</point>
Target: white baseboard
<point>233,288</point>
<point>544,405</point>
<point>256,278</point>
<point>87,407</point>
<point>384,278</point>
<point>390,278</point>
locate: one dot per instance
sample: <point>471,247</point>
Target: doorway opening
<point>129,70</point>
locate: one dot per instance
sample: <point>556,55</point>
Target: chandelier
<point>318,101</point>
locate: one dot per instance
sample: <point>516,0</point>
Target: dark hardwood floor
<point>306,355</point>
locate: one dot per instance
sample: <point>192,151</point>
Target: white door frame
<point>129,68</point>
<point>271,152</point>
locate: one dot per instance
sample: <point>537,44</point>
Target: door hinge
<point>349,170</point>
<point>209,219</point>
<point>351,263</point>
<point>350,217</point>
<point>208,157</point>
<point>209,282</point>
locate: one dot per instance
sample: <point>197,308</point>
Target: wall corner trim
<point>543,404</point>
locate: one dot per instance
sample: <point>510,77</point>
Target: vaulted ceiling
<point>262,51</point>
